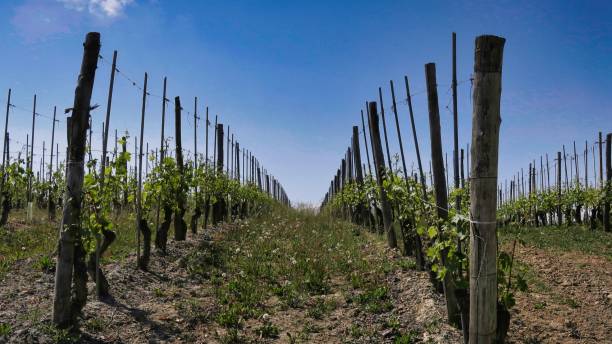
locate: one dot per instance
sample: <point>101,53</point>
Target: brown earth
<point>570,301</point>
<point>165,305</point>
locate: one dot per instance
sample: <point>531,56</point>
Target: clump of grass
<point>406,338</point>
<point>46,264</point>
<point>267,330</point>
<point>375,300</point>
<point>5,329</point>
<point>321,308</point>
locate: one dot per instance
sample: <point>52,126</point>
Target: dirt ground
<point>570,301</point>
<point>166,306</point>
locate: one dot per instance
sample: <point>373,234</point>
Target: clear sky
<point>290,77</point>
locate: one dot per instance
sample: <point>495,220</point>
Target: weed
<point>5,329</point>
<point>375,300</point>
<point>540,305</point>
<point>406,338</point>
<point>267,330</point>
<point>46,264</point>
<point>159,292</point>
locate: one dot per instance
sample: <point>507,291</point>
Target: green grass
<point>19,240</point>
<point>296,258</point>
<point>564,239</point>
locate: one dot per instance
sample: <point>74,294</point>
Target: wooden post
<point>462,170</point>
<point>365,142</point>
<point>237,158</point>
<point>379,164</point>
<point>547,173</point>
<point>559,213</point>
<point>608,185</point>
<point>227,152</point>
<point>180,227</point>
<point>197,211</point>
<point>565,163</point>
<point>4,147</point>
<point>357,155</point>
<point>600,142</point>
<point>107,120</point>
<point>485,145</point>
<point>71,253</point>
<point>416,140</point>
<point>160,241</point>
<point>576,165</point>
<point>31,167</point>
<point>141,224</point>
<point>455,127</point>
<point>384,121</point>
<point>219,208</point>
<point>418,242</point>
<point>51,202</point>
<point>206,134</point>
<point>454,316</point>
<point>215,146</point>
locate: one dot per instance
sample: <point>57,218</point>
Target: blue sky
<point>290,78</point>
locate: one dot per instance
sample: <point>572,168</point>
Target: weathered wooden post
<point>31,166</point>
<point>197,212</point>
<point>559,213</point>
<point>71,254</point>
<point>379,164</point>
<point>608,185</point>
<point>412,224</point>
<point>5,153</point>
<point>51,201</point>
<point>384,122</point>
<point>365,140</point>
<point>600,143</point>
<point>141,223</point>
<point>180,227</point>
<point>437,163</point>
<point>485,145</point>
<point>416,140</point>
<point>220,207</point>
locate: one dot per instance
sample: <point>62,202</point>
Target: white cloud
<point>102,8</point>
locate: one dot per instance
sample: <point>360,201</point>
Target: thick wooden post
<point>437,163</point>
<point>180,227</point>
<point>379,164</point>
<point>64,307</point>
<point>357,155</point>
<point>483,184</point>
<point>220,207</point>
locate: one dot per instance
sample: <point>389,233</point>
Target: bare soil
<point>165,305</point>
<point>569,301</point>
